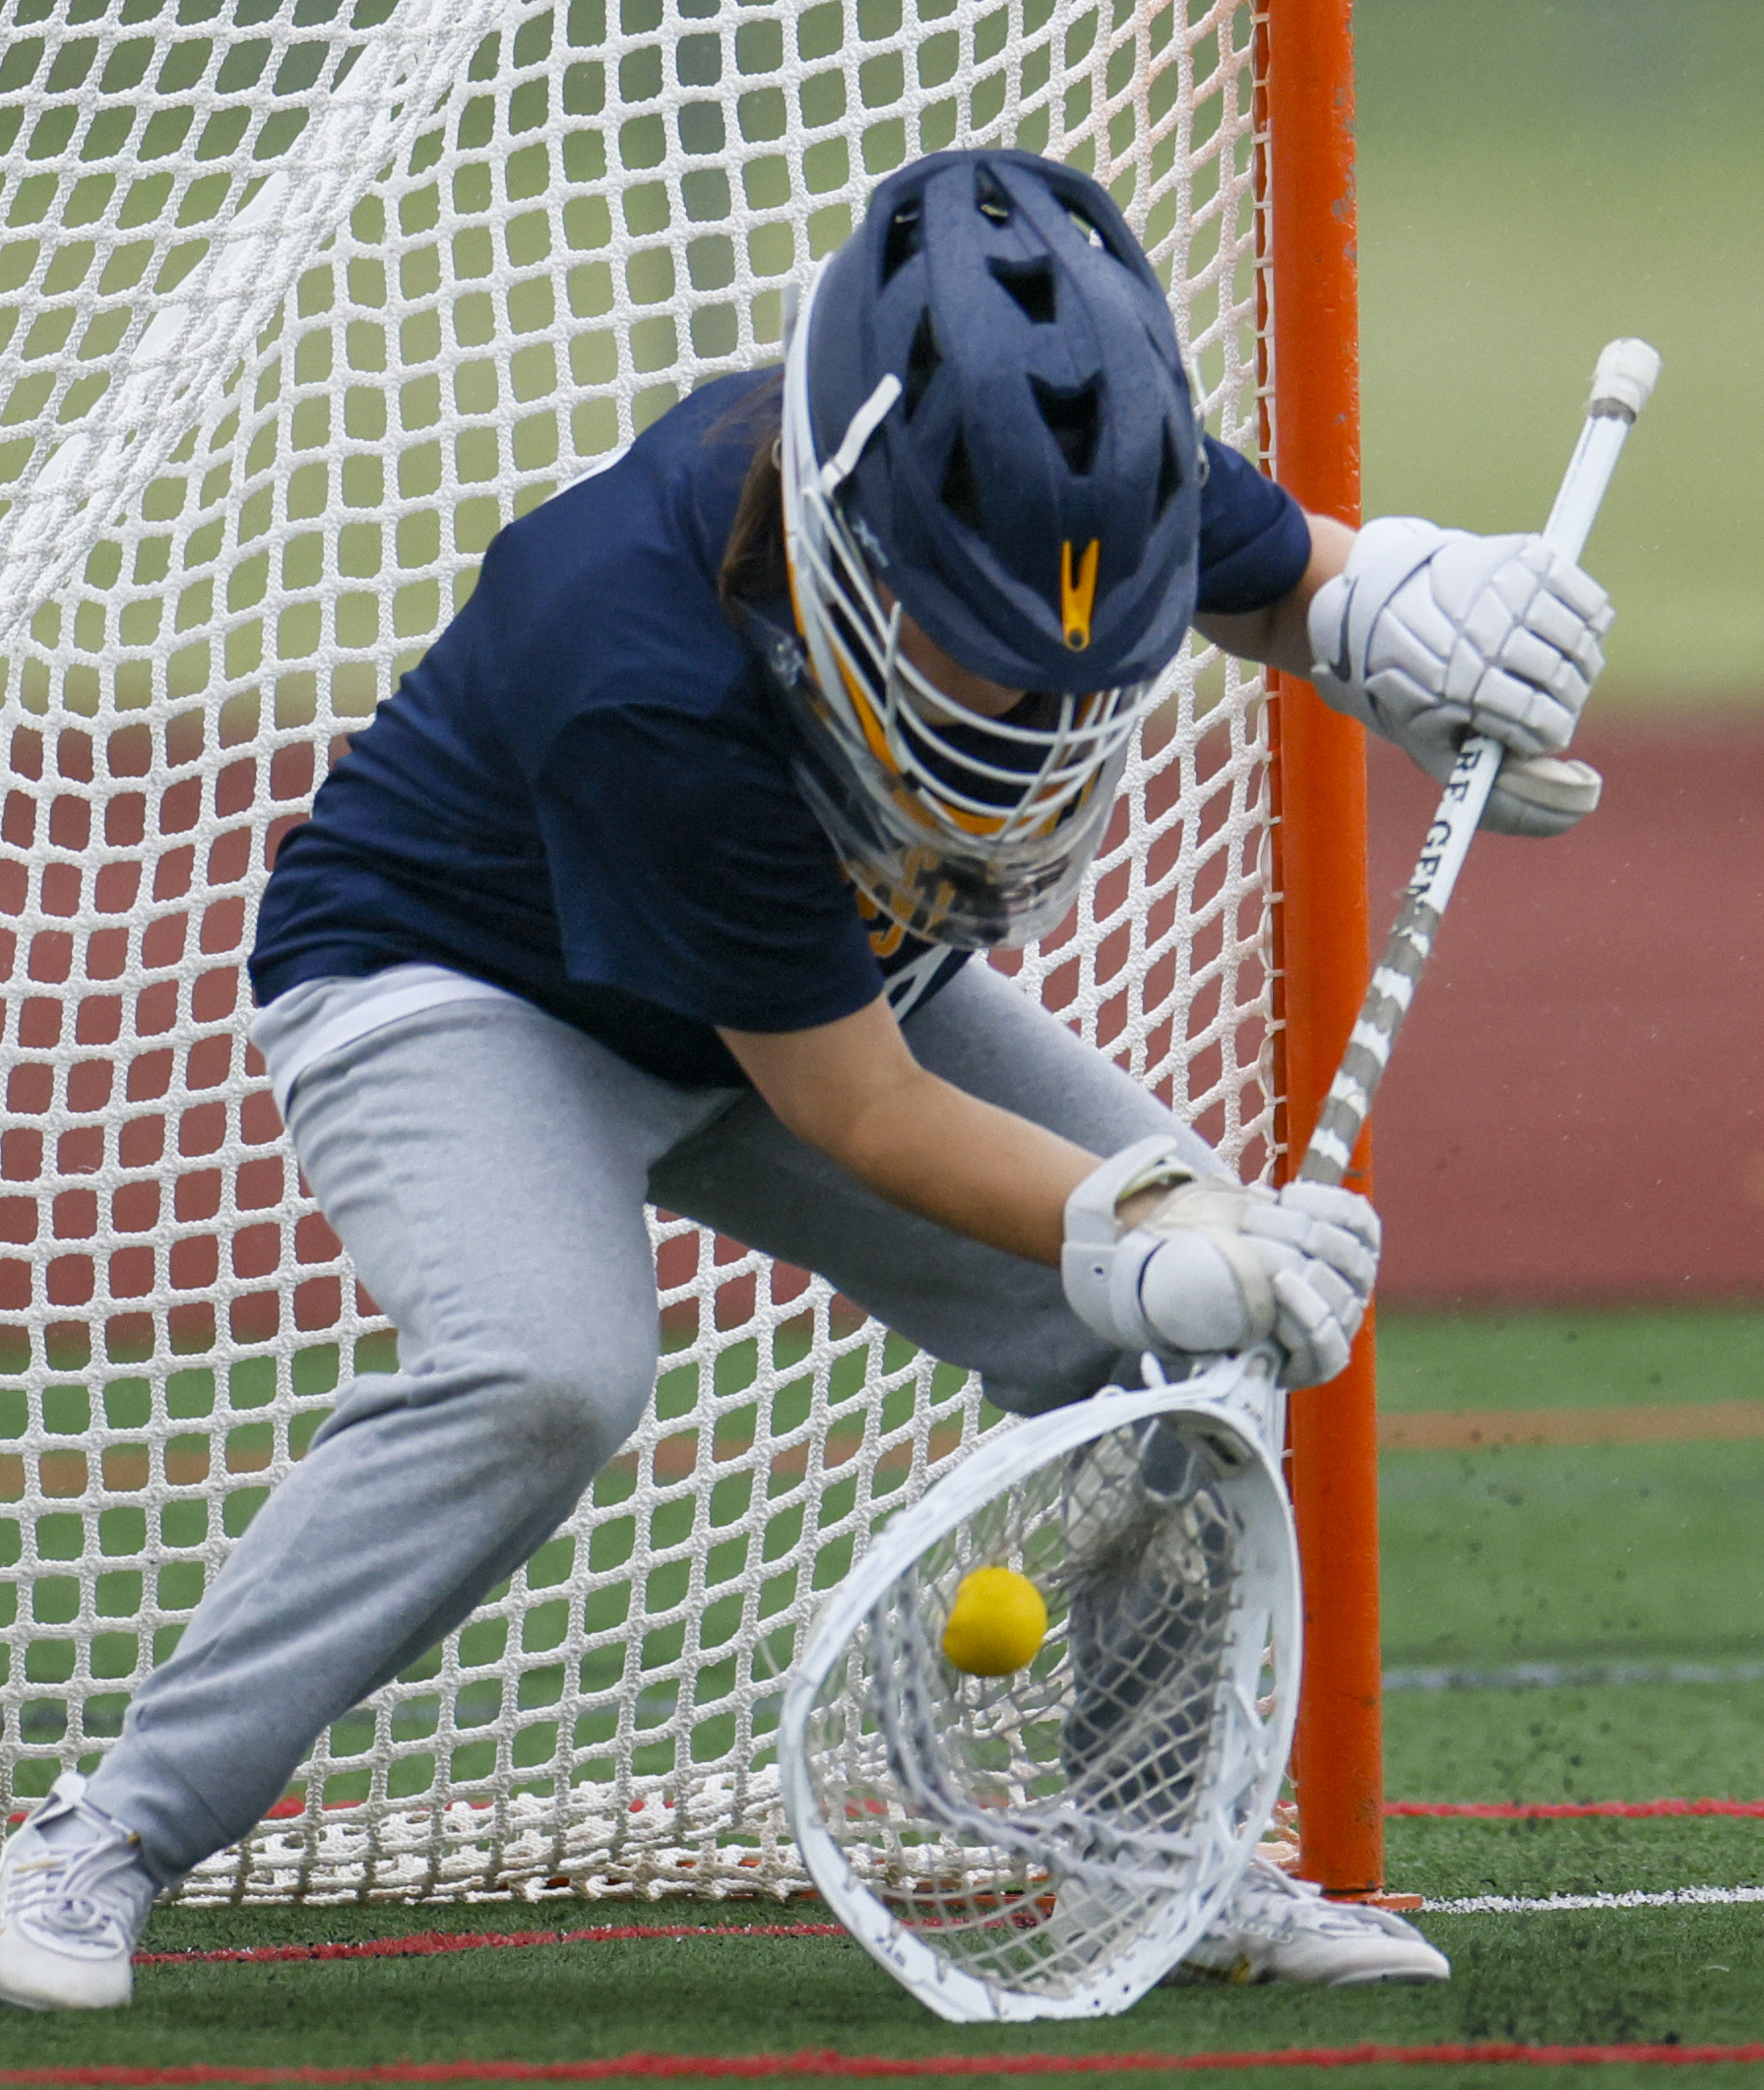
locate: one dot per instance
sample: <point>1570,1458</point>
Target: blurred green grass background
<point>1535,177</point>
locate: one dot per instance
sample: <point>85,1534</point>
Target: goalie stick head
<point>1047,1843</point>
<point>987,430</point>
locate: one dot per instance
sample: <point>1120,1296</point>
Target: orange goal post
<point>300,301</point>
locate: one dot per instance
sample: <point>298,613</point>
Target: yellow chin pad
<point>1077,596</point>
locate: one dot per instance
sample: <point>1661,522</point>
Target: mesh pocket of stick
<point>1049,1841</point>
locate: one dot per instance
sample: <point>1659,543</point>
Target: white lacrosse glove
<point>1216,1266</point>
<point>1429,635</point>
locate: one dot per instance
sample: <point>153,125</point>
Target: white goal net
<point>300,301</point>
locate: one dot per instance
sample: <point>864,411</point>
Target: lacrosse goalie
<point>664,875</point>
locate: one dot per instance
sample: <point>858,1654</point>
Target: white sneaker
<point>1278,1928</point>
<point>73,1897</point>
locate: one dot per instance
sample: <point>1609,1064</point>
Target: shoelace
<point>76,1917</point>
<point>66,1895</point>
<point>1278,1899</point>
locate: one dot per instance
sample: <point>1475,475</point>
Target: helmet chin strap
<point>864,422</point>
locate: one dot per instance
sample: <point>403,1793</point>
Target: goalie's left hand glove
<point>1217,1266</point>
<point>1429,635</point>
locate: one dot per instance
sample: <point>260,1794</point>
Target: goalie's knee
<point>559,1406</point>
<point>574,1412</point>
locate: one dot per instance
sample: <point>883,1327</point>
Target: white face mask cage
<point>1006,804</point>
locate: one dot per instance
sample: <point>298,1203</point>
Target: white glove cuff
<point>1343,610</point>
<point>1332,668</point>
<point>1102,1285</point>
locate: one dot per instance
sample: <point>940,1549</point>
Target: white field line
<point>1546,1904</point>
<point>1546,1675</point>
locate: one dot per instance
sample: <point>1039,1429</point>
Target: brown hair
<point>753,562</point>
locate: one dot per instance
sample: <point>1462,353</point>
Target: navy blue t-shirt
<point>583,791</point>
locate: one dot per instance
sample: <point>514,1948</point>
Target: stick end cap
<point>1625,375</point>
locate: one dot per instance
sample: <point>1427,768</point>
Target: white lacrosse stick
<point>1622,380</point>
<point>1049,1842</point>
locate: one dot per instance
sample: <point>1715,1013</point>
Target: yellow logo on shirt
<point>886,938</point>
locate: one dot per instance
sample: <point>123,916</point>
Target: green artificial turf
<point>1573,1552</point>
<point>1491,1557</point>
<point>1690,1973</point>
<point>1639,1975</point>
<point>1578,1743</point>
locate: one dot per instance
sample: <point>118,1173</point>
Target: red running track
<point>1575,1111</point>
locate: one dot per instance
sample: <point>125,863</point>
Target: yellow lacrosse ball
<point>996,1623</point>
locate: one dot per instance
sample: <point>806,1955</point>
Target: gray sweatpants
<point>487,1168</point>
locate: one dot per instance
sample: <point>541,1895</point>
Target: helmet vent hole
<point>1095,235</point>
<point>905,236</point>
<point>989,200</point>
<point>1031,284</point>
<point>1169,472</point>
<point>922,365</point>
<point>959,493</point>
<point>1074,420</point>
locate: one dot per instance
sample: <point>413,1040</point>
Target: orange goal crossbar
<point>1310,373</point>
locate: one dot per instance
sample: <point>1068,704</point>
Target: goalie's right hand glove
<point>1216,1266</point>
<point>1429,635</point>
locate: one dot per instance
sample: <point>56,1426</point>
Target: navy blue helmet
<point>986,429</point>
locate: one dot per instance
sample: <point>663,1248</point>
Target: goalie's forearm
<point>852,1089</point>
<point>969,1165</point>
